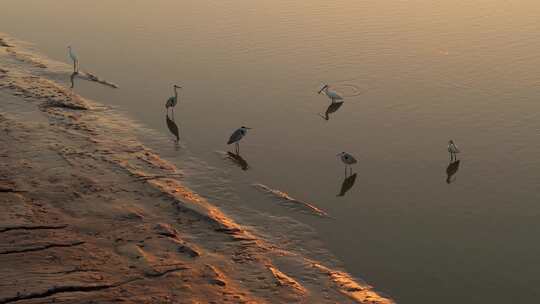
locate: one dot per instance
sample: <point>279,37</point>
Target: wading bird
<point>453,150</point>
<point>348,160</point>
<point>173,100</point>
<point>333,95</point>
<point>74,58</point>
<point>237,136</point>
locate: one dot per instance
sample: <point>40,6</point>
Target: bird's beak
<point>249,128</point>
<point>324,87</point>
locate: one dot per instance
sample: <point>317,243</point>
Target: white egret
<point>453,150</point>
<point>348,160</point>
<point>333,95</point>
<point>237,136</point>
<point>173,100</point>
<point>74,58</point>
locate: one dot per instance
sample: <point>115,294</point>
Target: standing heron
<point>453,150</point>
<point>173,100</point>
<point>74,58</point>
<point>237,136</point>
<point>348,160</point>
<point>333,95</point>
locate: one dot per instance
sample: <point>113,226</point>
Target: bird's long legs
<point>453,157</point>
<point>350,171</point>
<point>237,148</point>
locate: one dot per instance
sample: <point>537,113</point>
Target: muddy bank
<point>90,213</point>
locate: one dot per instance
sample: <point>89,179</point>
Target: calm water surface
<point>416,73</point>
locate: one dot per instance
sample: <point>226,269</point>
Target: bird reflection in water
<point>347,184</point>
<point>451,170</point>
<point>72,78</point>
<point>173,128</point>
<point>238,160</point>
<point>332,108</point>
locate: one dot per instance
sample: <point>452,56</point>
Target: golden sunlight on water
<point>414,74</point>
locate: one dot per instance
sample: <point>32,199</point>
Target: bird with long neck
<point>333,95</point>
<point>74,58</point>
<point>173,100</point>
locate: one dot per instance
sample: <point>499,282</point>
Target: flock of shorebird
<point>336,101</point>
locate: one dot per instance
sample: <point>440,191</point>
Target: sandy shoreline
<point>91,214</point>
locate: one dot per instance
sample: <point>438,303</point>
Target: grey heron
<point>453,150</point>
<point>348,160</point>
<point>237,136</point>
<point>173,100</point>
<point>333,95</point>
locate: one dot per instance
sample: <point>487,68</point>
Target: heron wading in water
<point>453,150</point>
<point>74,58</point>
<point>237,136</point>
<point>333,95</point>
<point>173,100</point>
<point>348,160</point>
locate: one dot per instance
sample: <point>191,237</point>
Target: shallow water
<point>416,73</point>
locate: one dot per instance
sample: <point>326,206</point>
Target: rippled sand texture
<point>89,213</point>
